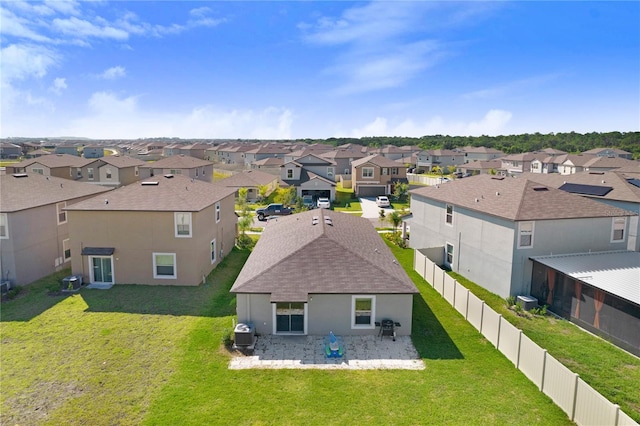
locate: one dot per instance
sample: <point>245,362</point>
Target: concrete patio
<point>308,352</point>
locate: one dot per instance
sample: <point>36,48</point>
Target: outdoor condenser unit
<point>244,334</point>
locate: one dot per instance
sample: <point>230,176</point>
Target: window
<point>330,171</point>
<point>136,171</point>
<point>213,251</point>
<point>164,265</point>
<point>90,173</point>
<point>79,172</point>
<point>217,212</point>
<point>525,234</point>
<point>449,260</point>
<point>619,224</point>
<point>108,173</point>
<point>196,172</point>
<point>363,311</point>
<point>182,224</point>
<point>66,250</point>
<point>449,215</point>
<point>367,172</point>
<point>37,171</point>
<point>4,229</point>
<point>62,215</point>
<point>289,173</point>
<point>394,170</point>
<point>385,171</point>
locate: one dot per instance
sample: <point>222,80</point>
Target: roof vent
<point>169,176</point>
<point>477,200</point>
<point>497,193</point>
<point>328,221</point>
<point>540,188</point>
<point>497,177</point>
<point>22,175</point>
<point>596,173</point>
<point>154,183</point>
<point>314,220</point>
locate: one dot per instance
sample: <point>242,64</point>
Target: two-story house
<point>488,227</point>
<point>310,175</point>
<point>34,234</point>
<point>515,164</point>
<point>442,158</point>
<point>264,152</point>
<point>165,230</point>
<point>10,150</point>
<point>114,170</point>
<point>480,153</point>
<point>375,175</point>
<point>68,149</point>
<point>93,151</point>
<point>194,168</point>
<point>609,152</point>
<point>59,165</point>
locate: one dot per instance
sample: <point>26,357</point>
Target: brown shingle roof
<point>247,178</point>
<point>34,190</point>
<point>375,159</point>
<point>122,161</point>
<point>179,162</point>
<point>295,258</point>
<point>517,199</point>
<point>55,160</point>
<point>177,193</point>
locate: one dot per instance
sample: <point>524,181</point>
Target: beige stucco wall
<point>328,312</point>
<point>137,235</point>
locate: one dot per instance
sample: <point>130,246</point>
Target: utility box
<point>527,302</point>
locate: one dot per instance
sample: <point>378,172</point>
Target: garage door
<point>370,191</point>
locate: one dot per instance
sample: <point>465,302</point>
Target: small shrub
<point>11,294</point>
<point>227,338</point>
<point>396,238</point>
<point>518,308</point>
<point>511,300</point>
<point>245,242</point>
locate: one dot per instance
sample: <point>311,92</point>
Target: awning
<point>98,251</point>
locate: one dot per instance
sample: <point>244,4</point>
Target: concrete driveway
<point>370,210</point>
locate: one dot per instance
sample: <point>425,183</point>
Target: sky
<point>306,69</point>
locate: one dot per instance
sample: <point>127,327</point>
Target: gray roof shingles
<point>295,258</point>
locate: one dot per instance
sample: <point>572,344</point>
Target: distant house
<point>609,152</point>
<point>93,151</point>
<point>515,164</point>
<point>264,152</point>
<point>480,153</point>
<point>269,165</point>
<point>59,165</point>
<point>10,150</point>
<point>251,180</point>
<point>487,228</point>
<point>114,170</point>
<point>478,167</point>
<point>321,271</point>
<point>37,153</point>
<point>306,182</point>
<point>192,167</point>
<point>342,158</point>
<point>443,158</point>
<point>34,235</point>
<point>67,150</point>
<point>579,163</point>
<point>165,230</point>
<point>375,175</point>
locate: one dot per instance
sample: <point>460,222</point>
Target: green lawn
<point>153,355</point>
<point>611,371</point>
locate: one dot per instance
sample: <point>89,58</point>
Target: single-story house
<point>252,180</point>
<point>320,271</point>
<point>192,167</point>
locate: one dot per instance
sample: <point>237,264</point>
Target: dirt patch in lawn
<point>35,405</point>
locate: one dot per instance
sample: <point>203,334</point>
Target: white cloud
<point>493,123</point>
<point>13,25</point>
<point>113,73</point>
<point>22,61</point>
<point>81,28</point>
<point>512,87</point>
<point>59,84</point>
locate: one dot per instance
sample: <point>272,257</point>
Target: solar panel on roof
<point>577,188</point>
<point>634,182</point>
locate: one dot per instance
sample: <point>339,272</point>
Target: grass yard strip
<point>608,369</point>
<point>466,381</point>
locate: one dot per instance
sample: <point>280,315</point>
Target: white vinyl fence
<point>583,404</point>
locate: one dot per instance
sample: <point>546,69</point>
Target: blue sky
<point>304,69</point>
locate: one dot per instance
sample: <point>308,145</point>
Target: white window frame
<point>523,231</point>
<point>367,172</point>
<point>218,212</point>
<point>59,212</point>
<point>108,174</point>
<point>136,171</point>
<point>394,170</point>
<point>385,171</point>
<point>92,278</point>
<point>90,173</point>
<point>65,247</point>
<point>214,255</point>
<point>354,298</point>
<point>446,254</point>
<point>176,222</point>
<point>289,173</point>
<point>155,270</point>
<point>618,224</point>
<point>448,215</point>
<point>274,321</point>
<point>38,171</point>
<point>331,171</point>
<point>4,226</point>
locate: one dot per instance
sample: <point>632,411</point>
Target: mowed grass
<point>608,369</point>
<point>153,355</point>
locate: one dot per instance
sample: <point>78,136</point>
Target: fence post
<point>518,354</point>
<point>455,284</point>
<point>498,338</point>
<point>617,416</point>
<point>466,308</point>
<point>544,364</point>
<point>575,396</point>
<point>481,316</point>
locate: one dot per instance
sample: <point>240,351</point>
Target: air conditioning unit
<point>244,334</point>
<point>527,302</point>
<point>5,286</point>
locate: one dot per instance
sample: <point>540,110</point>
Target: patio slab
<point>308,352</point>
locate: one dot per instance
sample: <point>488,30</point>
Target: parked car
<point>273,210</point>
<point>382,201</point>
<point>307,201</point>
<point>324,203</point>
